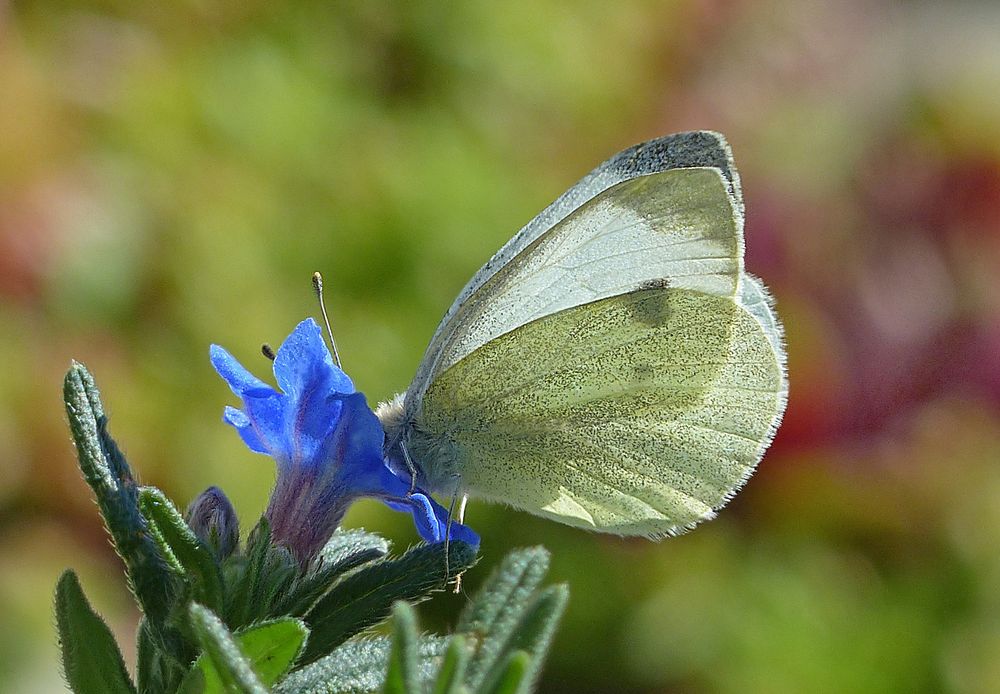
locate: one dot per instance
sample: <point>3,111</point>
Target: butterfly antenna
<point>318,288</point>
<point>267,351</point>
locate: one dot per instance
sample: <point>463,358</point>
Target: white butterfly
<point>613,367</point>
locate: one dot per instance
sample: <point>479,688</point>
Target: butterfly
<point>613,367</point>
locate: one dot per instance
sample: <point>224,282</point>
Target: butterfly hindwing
<point>639,414</point>
<point>678,224</point>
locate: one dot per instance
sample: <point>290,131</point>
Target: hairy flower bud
<point>212,518</point>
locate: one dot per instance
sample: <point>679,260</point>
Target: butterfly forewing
<point>678,224</point>
<point>696,149</point>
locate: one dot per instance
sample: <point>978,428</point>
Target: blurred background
<point>172,173</point>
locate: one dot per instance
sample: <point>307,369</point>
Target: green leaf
<point>452,673</point>
<point>532,634</point>
<point>365,597</point>
<point>516,674</point>
<point>510,585</point>
<point>153,672</point>
<point>148,673</point>
<point>359,665</point>
<point>346,550</point>
<point>403,675</point>
<point>194,557</point>
<point>279,575</point>
<point>498,607</point>
<point>108,474</point>
<point>270,648</point>
<point>239,611</point>
<point>343,545</point>
<point>196,681</point>
<point>273,646</point>
<point>222,657</point>
<point>91,659</point>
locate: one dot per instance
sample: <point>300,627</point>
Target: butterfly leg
<point>410,466</point>
<point>447,530</point>
<point>447,537</point>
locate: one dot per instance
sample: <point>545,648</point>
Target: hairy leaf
<point>346,550</point>
<point>108,474</point>
<point>195,558</point>
<point>357,666</point>
<point>92,662</point>
<point>532,634</point>
<point>240,600</point>
<point>223,656</point>
<point>403,675</point>
<point>499,605</point>
<point>451,676</point>
<point>156,670</point>
<point>270,648</point>
<point>365,597</point>
<point>515,676</point>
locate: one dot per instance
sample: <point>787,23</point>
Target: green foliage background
<point>172,173</point>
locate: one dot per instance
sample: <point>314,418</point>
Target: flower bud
<point>214,521</point>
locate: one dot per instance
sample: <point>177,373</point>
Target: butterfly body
<point>613,367</point>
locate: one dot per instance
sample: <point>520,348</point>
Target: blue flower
<point>326,442</point>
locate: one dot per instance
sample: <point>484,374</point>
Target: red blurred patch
<point>26,245</point>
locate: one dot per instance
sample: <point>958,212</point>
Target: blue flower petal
<point>239,379</point>
<point>267,412</point>
<point>357,445</point>
<point>463,533</point>
<point>311,428</point>
<point>303,362</point>
<point>457,531</point>
<point>431,519</point>
<point>314,420</point>
<point>235,417</point>
<point>239,421</point>
<point>423,516</point>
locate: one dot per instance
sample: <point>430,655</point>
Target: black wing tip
<point>683,150</point>
<point>694,148</point>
